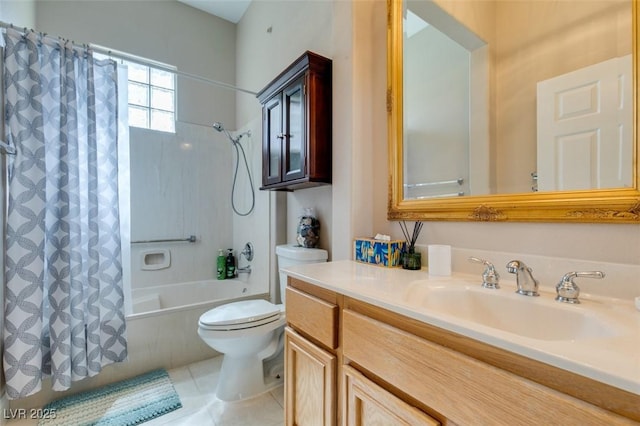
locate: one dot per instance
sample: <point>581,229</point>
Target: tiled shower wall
<point>180,186</point>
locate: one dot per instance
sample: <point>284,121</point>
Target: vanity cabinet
<point>311,340</point>
<point>380,367</point>
<point>296,125</point>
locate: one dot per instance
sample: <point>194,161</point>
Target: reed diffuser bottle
<point>412,259</point>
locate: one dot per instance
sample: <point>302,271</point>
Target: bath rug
<point>129,402</point>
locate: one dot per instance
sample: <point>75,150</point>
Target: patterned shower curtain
<point>64,301</point>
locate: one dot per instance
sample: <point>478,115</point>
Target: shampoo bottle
<point>221,265</point>
<point>231,265</point>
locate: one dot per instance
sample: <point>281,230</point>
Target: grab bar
<point>458,181</point>
<point>456,194</point>
<point>190,239</point>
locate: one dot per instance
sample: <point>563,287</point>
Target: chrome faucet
<point>244,270</point>
<point>527,285</point>
<point>490,277</point>
<point>568,291</point>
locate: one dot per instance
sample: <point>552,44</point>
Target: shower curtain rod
<point>147,62</point>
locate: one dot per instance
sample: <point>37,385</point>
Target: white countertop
<point>614,360</point>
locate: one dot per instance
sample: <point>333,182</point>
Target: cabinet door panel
<point>368,404</point>
<point>273,139</point>
<point>310,383</point>
<point>295,135</point>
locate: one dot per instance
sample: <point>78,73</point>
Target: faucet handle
<point>490,277</point>
<point>568,291</point>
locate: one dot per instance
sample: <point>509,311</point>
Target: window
<point>152,96</point>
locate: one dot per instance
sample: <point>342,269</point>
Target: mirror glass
<point>504,97</point>
<point>513,110</point>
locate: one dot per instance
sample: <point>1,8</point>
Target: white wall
<point>21,13</point>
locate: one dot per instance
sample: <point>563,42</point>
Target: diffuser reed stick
<point>412,237</point>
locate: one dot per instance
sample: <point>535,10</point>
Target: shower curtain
<point>64,301</point>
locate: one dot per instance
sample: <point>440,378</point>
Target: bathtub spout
<point>244,270</point>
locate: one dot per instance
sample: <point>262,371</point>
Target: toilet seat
<point>240,315</point>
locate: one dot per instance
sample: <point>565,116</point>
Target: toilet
<point>250,335</point>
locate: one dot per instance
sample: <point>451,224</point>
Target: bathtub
<point>166,299</point>
<point>162,330</point>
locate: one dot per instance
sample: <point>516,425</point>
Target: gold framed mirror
<point>596,203</point>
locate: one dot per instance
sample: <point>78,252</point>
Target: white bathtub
<point>165,299</point>
<point>162,331</point>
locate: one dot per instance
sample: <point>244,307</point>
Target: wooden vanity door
<point>310,383</point>
<point>368,404</point>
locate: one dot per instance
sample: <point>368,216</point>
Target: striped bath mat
<point>129,402</point>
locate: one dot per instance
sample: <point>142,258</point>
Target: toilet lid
<point>252,312</point>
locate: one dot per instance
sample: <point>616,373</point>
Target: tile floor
<point>196,385</point>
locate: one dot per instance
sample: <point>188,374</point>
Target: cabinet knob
<point>280,135</point>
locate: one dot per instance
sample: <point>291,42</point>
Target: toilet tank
<point>290,254</point>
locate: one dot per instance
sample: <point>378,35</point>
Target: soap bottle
<point>230,264</point>
<point>221,265</point>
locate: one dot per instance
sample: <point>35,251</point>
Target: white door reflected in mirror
<point>585,128</point>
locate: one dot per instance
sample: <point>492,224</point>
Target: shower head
<point>219,127</point>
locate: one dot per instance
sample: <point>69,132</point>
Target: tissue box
<point>378,252</point>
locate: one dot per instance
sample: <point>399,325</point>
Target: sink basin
<point>533,317</point>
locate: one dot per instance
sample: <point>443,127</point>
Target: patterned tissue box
<point>378,252</point>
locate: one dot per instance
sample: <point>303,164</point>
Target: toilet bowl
<point>250,335</point>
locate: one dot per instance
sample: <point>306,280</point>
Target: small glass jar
<point>412,260</point>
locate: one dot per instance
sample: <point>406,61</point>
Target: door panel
<point>369,404</point>
<point>295,122</point>
<point>585,128</point>
<point>272,129</point>
<point>310,383</point>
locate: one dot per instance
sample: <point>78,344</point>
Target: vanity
<point>371,345</point>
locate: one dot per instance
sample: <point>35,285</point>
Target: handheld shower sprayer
<point>219,127</point>
<point>236,143</point>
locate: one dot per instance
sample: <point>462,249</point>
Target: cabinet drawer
<point>460,388</point>
<point>313,317</point>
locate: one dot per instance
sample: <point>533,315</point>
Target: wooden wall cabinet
<point>296,125</point>
<point>352,363</point>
